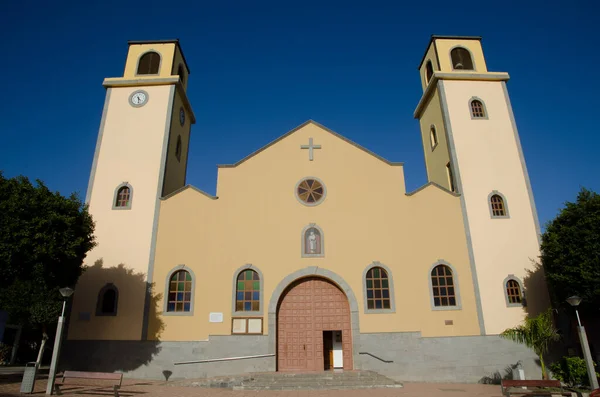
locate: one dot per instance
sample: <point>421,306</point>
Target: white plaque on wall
<point>215,317</point>
<point>84,316</point>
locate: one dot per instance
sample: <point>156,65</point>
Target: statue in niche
<point>312,241</point>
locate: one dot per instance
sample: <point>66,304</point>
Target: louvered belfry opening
<point>181,74</point>
<point>428,71</point>
<point>461,59</point>
<point>149,63</point>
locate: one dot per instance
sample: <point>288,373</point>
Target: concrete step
<point>309,385</point>
<point>296,381</point>
<point>317,387</point>
<point>317,380</point>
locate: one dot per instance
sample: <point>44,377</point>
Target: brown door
<point>328,349</point>
<point>307,308</point>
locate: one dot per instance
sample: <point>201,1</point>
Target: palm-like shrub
<point>536,333</point>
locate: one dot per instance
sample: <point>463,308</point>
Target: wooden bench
<point>107,376</point>
<point>534,387</point>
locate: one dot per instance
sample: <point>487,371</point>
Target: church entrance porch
<point>313,327</point>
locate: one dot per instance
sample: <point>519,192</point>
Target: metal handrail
<point>374,356</point>
<point>224,359</point>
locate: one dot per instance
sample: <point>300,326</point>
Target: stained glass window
<point>442,283</point>
<point>247,294</point>
<point>310,191</point>
<point>180,292</point>
<point>378,289</point>
<point>123,197</point>
<point>513,291</point>
<point>477,110</point>
<point>497,205</point>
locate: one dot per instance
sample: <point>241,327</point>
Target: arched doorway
<point>313,316</point>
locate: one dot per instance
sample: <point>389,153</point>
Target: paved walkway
<point>10,385</point>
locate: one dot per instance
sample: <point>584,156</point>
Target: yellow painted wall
<point>488,159</point>
<point>436,159</point>
<point>444,46</point>
<point>175,170</point>
<point>365,216</point>
<point>130,151</point>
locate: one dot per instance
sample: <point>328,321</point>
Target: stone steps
<point>317,380</point>
<point>296,381</point>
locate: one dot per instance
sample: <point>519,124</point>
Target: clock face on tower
<point>181,116</point>
<point>138,98</point>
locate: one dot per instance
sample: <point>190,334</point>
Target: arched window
<point>123,197</point>
<point>433,137</point>
<point>377,286</point>
<point>450,175</point>
<point>180,292</point>
<point>247,294</point>
<point>181,74</point>
<point>178,148</point>
<point>498,207</point>
<point>477,109</point>
<point>108,299</point>
<point>513,291</point>
<point>461,59</point>
<point>428,72</point>
<point>442,285</point>
<point>149,63</point>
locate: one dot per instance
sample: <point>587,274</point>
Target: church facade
<point>312,255</point>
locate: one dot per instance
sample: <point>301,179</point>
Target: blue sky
<point>260,69</point>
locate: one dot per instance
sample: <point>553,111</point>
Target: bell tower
<point>141,155</point>
<point>472,147</point>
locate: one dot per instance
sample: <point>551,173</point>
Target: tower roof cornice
<point>432,86</point>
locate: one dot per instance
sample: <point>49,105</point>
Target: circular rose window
<point>310,191</point>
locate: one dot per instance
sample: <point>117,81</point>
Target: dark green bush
<point>571,370</point>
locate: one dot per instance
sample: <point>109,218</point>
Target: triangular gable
<point>186,187</point>
<point>301,126</point>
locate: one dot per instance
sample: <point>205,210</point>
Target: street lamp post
<point>66,293</point>
<point>575,301</point>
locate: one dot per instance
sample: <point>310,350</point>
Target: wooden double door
<point>307,308</point>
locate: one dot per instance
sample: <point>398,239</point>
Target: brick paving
<point>10,385</point>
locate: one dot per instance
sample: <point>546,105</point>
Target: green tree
<point>44,238</point>
<point>570,249</point>
<point>537,333</point>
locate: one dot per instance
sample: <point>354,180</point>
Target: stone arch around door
<point>328,275</point>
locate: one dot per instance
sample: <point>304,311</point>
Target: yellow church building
<point>312,255</point>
